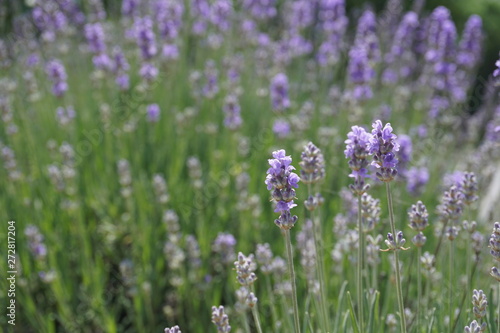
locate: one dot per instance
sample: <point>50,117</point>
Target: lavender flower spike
<point>357,150</point>
<point>281,180</point>
<point>279,92</point>
<point>57,74</point>
<point>220,319</point>
<point>383,146</point>
<point>174,329</point>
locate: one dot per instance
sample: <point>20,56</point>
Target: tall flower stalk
<point>357,150</point>
<point>383,146</point>
<point>494,245</point>
<point>312,172</point>
<point>418,221</point>
<point>281,181</point>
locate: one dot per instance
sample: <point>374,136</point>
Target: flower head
<point>383,145</point>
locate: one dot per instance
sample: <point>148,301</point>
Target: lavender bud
<point>232,110</point>
<point>418,216</point>
<point>312,164</point>
<point>160,189</point>
<point>224,246</point>
<point>357,150</point>
<point>452,232</point>
<point>479,303</point>
<point>470,227</point>
<point>477,240</point>
<point>469,188</point>
<point>251,300</point>
<point>370,212</point>
<point>245,268</point>
<point>57,74</point>
<point>416,179</point>
<point>153,113</point>
<point>35,242</point>
<point>419,239</point>
<point>474,327</point>
<point>220,319</point>
<point>174,329</point>
<point>394,244</point>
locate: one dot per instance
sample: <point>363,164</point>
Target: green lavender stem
<point>419,286</point>
<point>451,283</point>
<point>255,314</point>
<point>270,293</point>
<point>360,269</point>
<point>291,271</point>
<point>498,300</point>
<point>396,260</point>
<point>319,266</point>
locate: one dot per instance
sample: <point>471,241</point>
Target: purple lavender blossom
<point>301,14</point>
<point>120,68</point>
<point>334,23</point>
<point>130,8</point>
<point>366,36</point>
<point>404,153</point>
<point>260,9</point>
<point>35,242</point>
<point>383,146</point>
<point>357,150</point>
<point>469,49</point>
<point>145,37</point>
<point>153,112</point>
<point>232,110</point>
<point>496,72</point>
<point>221,12</point>
<point>57,74</point>
<point>281,128</point>
<point>94,34</point>
<point>416,179</point>
<point>200,11</point>
<point>279,92</point>
<point>281,180</point>
<point>360,73</point>
<point>211,87</point>
<point>224,245</point>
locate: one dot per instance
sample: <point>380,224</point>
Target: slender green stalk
<point>360,269</point>
<point>450,257</point>
<point>498,300</point>
<point>419,286</point>
<point>255,314</point>
<point>291,271</point>
<point>319,266</point>
<point>396,261</point>
<point>270,294</point>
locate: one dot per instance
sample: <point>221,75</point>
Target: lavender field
<point>247,166</point>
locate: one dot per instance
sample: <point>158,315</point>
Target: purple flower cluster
<point>130,8</point>
<point>494,245</point>
<point>357,151</point>
<point>360,73</point>
<point>496,72</point>
<point>224,246</point>
<point>153,113</point>
<point>260,9</point>
<point>469,49</point>
<point>146,41</point>
<point>416,179</point>
<point>49,19</point>
<point>281,181</point>
<point>120,68</point>
<point>35,242</point>
<point>168,15</point>
<point>279,92</point>
<point>383,146</point>
<point>333,21</point>
<point>232,110</point>
<point>94,34</point>
<point>57,74</point>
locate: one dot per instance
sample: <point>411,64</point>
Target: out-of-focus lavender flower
<point>65,115</point>
<point>221,13</point>
<point>160,189</point>
<point>469,188</point>
<point>360,73</point>
<point>173,329</point>
<point>130,8</point>
<point>404,153</point>
<point>264,257</point>
<point>49,19</point>
<point>383,146</point>
<point>148,71</point>
<point>125,178</point>
<point>307,248</point>
<point>224,246</point>
<point>281,180</point>
<point>479,302</point>
<point>279,92</point>
<point>145,37</point>
<point>452,205</point>
<point>373,250</point>
<point>400,59</point>
<point>193,251</point>
<point>211,87</point>
<point>35,242</point>
<point>477,240</point>
<point>94,34</point>
<point>357,150</point>
<point>120,68</point>
<point>260,9</point>
<point>153,112</point>
<point>416,179</point>
<point>301,14</point>
<point>370,212</point>
<point>366,36</point>
<point>281,128</point>
<point>418,221</point>
<point>220,319</point>
<point>469,49</point>
<point>496,72</point>
<point>312,164</point>
<point>232,110</point>
<point>475,327</point>
<point>200,12</point>
<point>57,74</point>
<point>333,22</point>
